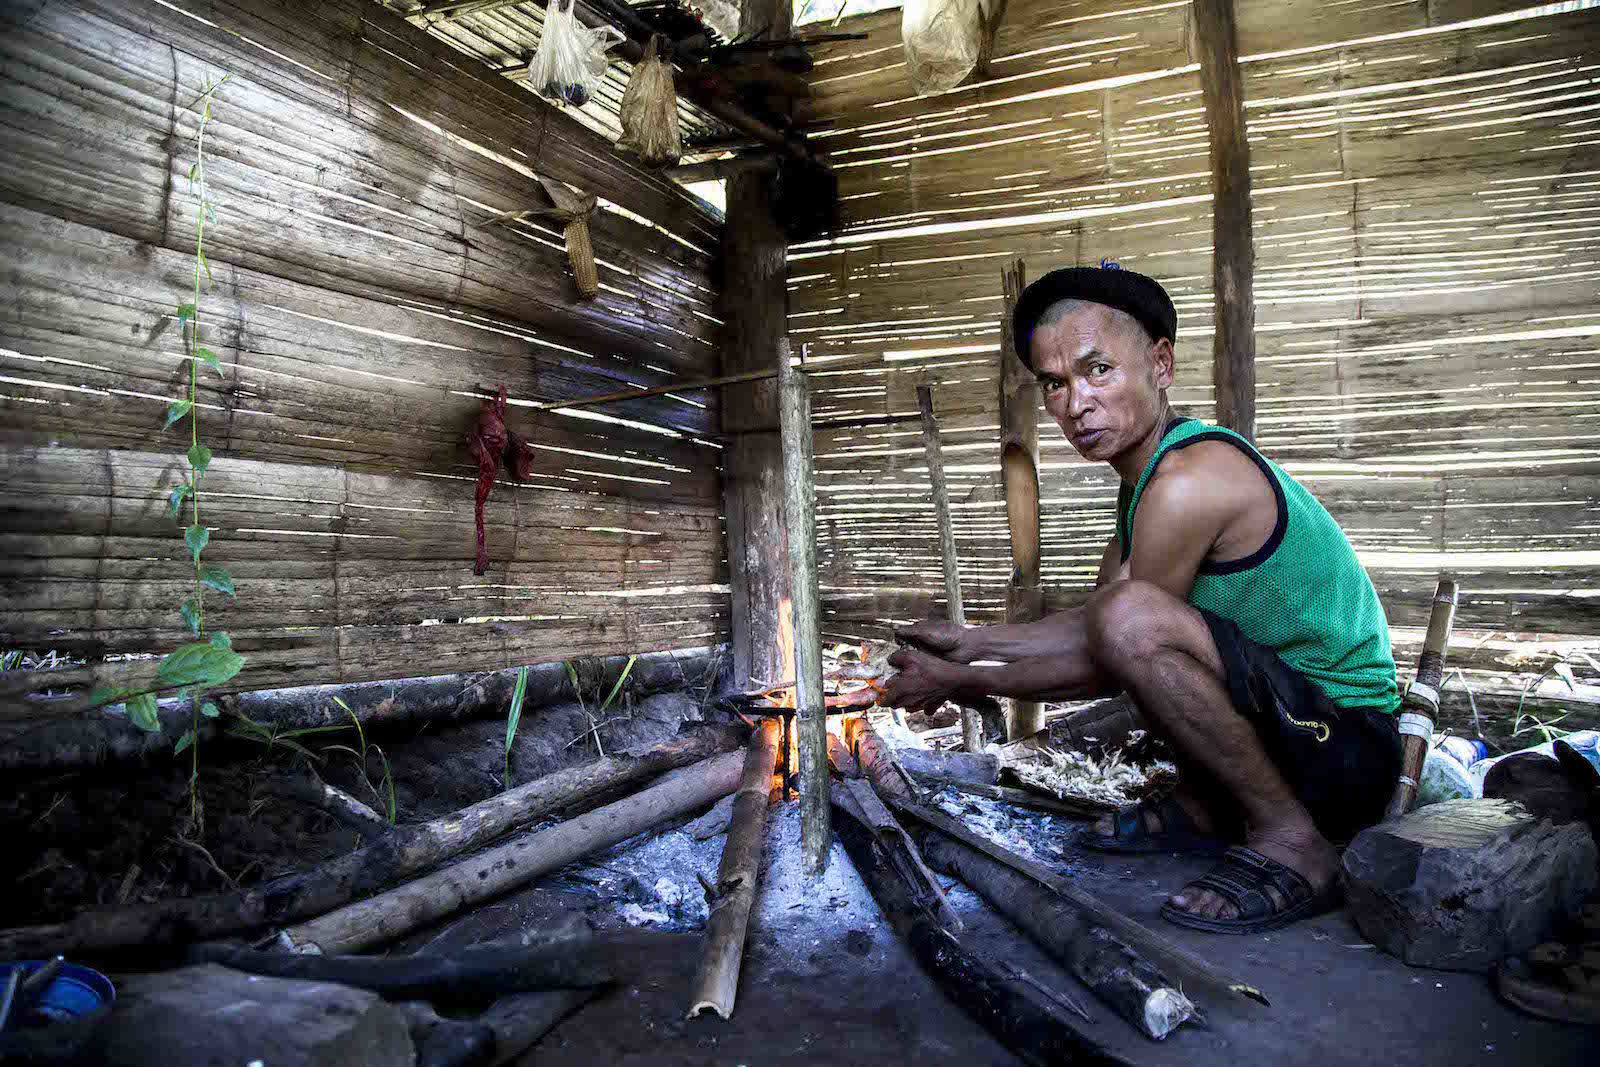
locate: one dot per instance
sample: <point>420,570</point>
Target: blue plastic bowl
<point>75,992</point>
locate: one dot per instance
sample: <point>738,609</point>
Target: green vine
<point>205,662</point>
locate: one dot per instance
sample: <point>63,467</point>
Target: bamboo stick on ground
<point>811,711</point>
<point>404,851</point>
<point>517,862</point>
<point>1126,981</point>
<point>716,983</point>
<point>309,788</point>
<point>1177,960</point>
<point>1027,1018</point>
<point>971,725</point>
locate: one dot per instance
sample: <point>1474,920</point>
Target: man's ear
<point>1165,363</point>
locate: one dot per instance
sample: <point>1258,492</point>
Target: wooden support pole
<point>519,861</point>
<point>1019,469</point>
<point>1233,255</point>
<point>811,709</point>
<point>716,983</point>
<point>1420,707</point>
<point>755,311</point>
<point>971,724</point>
<point>405,850</point>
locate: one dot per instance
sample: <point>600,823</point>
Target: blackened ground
<point>78,842</point>
<point>826,980</point>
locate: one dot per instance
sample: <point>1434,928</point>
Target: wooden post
<point>1233,256</point>
<point>1019,467</point>
<point>971,727</point>
<point>716,984</point>
<point>811,711</point>
<point>1421,704</point>
<point>755,309</point>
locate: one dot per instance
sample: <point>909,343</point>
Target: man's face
<point>1102,379</point>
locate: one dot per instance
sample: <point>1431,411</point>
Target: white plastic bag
<point>944,40</point>
<point>650,111</point>
<point>571,58</point>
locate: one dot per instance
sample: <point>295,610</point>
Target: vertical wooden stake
<point>716,983</point>
<point>1233,255</point>
<point>1420,707</point>
<point>1019,467</point>
<point>811,713</point>
<point>971,727</point>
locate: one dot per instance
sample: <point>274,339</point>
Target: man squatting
<point>1229,606</point>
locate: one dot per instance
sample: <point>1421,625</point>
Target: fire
<point>786,663</point>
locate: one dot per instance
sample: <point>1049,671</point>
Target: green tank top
<point>1303,594</point>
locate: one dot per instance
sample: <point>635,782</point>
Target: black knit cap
<point>1125,290</point>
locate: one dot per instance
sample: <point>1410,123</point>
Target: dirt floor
<point>825,976</point>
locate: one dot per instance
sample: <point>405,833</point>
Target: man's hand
<point>924,681</point>
<point>943,639</point>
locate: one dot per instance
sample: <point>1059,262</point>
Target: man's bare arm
<point>1111,566</point>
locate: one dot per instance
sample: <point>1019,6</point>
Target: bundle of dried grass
<point>1110,781</point>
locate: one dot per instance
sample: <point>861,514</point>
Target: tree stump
<point>214,1015</point>
<point>1462,884</point>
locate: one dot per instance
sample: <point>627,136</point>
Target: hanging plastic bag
<point>571,58</point>
<point>946,40</point>
<point>650,111</point>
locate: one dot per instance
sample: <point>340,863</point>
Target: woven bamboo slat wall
<point>361,305</point>
<point>1427,205</point>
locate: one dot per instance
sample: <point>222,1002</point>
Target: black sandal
<point>1130,833</point>
<point>1242,879</point>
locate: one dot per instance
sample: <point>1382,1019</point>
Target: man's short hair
<point>1128,291</point>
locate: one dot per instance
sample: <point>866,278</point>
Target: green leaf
<point>199,457</point>
<point>176,497</point>
<point>199,663</point>
<point>623,677</point>
<point>514,715</point>
<point>1567,676</point>
<point>196,537</point>
<point>183,742</point>
<point>191,615</point>
<point>209,358</point>
<point>221,641</point>
<point>211,216</point>
<point>106,694</point>
<point>142,711</point>
<point>194,170</point>
<point>342,704</point>
<point>204,262</point>
<point>185,313</point>
<point>209,710</point>
<point>216,578</point>
<point>177,410</point>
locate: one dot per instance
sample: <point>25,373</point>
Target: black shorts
<point>1342,762</point>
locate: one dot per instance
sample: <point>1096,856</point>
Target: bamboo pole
<point>404,851</point>
<point>1233,256</point>
<point>515,863</point>
<point>1180,961</point>
<point>811,722</point>
<point>971,726</point>
<point>654,390</point>
<point>716,983</point>
<point>1421,704</point>
<point>1019,468</point>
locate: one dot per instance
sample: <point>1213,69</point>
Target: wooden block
<point>1462,884</point>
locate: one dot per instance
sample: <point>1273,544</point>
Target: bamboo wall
<point>1427,209</point>
<point>360,305</point>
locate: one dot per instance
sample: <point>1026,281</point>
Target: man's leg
<point>1162,652</point>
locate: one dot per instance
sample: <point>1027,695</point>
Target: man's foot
<point>1282,877</point>
<point>1172,824</point>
